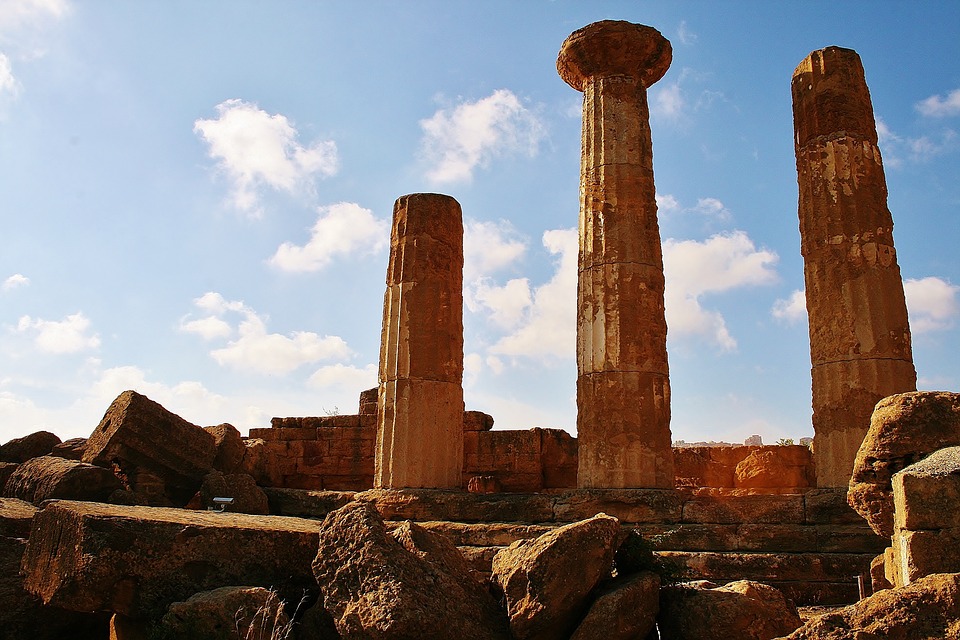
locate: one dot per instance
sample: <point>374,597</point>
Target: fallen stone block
<point>625,609</point>
<point>49,477</point>
<point>904,429</point>
<point>136,561</point>
<point>408,584</point>
<point>927,608</point>
<point>29,446</point>
<point>227,613</point>
<point>137,434</point>
<point>434,504</point>
<point>303,503</point>
<point>547,581</point>
<point>927,493</point>
<point>229,445</point>
<point>743,610</point>
<point>240,488</point>
<point>16,517</point>
<point>71,449</point>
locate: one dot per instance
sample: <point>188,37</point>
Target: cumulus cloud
<point>693,268</point>
<point>668,102</point>
<point>899,149</point>
<point>254,349</point>
<point>933,304</point>
<point>341,229</point>
<point>792,309</point>
<point>940,106</point>
<point>713,208</point>
<point>14,281</point>
<point>457,141</point>
<point>23,14</point>
<point>666,202</point>
<point>548,327</point>
<point>489,247</point>
<point>344,377</point>
<point>684,34</point>
<point>255,149</point>
<point>505,305</point>
<point>9,85</point>
<point>70,335</point>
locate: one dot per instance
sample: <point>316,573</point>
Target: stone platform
<point>812,545</point>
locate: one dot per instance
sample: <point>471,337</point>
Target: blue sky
<point>195,199</point>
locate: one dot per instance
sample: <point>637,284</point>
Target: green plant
<point>783,442</point>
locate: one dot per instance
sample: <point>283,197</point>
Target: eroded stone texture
<point>904,429</point>
<point>48,477</point>
<point>859,333</point>
<point>420,407</point>
<point>623,387</point>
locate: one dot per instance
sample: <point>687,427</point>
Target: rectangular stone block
<point>763,567</point>
<point>135,561</point>
<point>429,504</point>
<point>783,538</point>
<point>780,509</point>
<point>690,537</point>
<point>484,534</point>
<point>16,517</point>
<point>920,553</point>
<point>629,505</point>
<point>305,504</point>
<point>849,538</point>
<point>926,500</point>
<point>829,506</point>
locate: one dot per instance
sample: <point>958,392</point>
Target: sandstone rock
<point>483,484</point>
<point>547,581</point>
<point>767,468</point>
<point>928,608</point>
<point>744,610</point>
<point>16,517</point>
<point>47,477</point>
<point>6,470</point>
<point>904,429</point>
<point>227,613</point>
<point>878,574</point>
<point>247,496</point>
<point>926,495</point>
<point>477,421</point>
<point>71,449</point>
<point>410,585</point>
<point>29,446</point>
<point>305,504</point>
<point>139,435</point>
<point>229,445</point>
<point>136,561</point>
<point>23,615</point>
<point>624,610</point>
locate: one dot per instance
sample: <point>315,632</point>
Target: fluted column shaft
<point>420,403</point>
<point>860,347</point>
<point>623,387</point>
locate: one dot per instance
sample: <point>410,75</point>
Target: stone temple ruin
<point>413,518</point>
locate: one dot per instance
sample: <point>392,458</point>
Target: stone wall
<point>770,469</point>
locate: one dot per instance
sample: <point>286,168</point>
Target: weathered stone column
<point>623,386</point>
<point>420,404</point>
<point>859,333</point>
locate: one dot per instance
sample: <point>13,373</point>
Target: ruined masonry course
<point>859,334</point>
<point>420,404</point>
<point>623,386</point>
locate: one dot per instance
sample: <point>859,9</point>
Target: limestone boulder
<point>744,610</point>
<point>227,613</point>
<point>547,581</point>
<point>48,477</point>
<point>6,470</point>
<point>137,561</point>
<point>29,446</point>
<point>412,584</point>
<point>904,429</point>
<point>242,488</point>
<point>148,444</point>
<point>71,449</point>
<point>927,608</point>
<point>230,447</point>
<point>625,609</point>
<point>16,517</point>
<point>772,468</point>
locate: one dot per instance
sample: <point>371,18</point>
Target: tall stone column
<point>859,334</point>
<point>623,386</point>
<point>420,404</point>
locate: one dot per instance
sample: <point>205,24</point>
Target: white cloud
<point>69,335</point>
<point>344,377</point>
<point>712,207</point>
<point>505,305</point>
<point>720,263</point>
<point>457,141</point>
<point>933,304</point>
<point>255,149</point>
<point>341,229</point>
<point>549,328</point>
<point>254,349</point>
<point>666,202</point>
<point>668,102</point>
<point>489,247</point>
<point>9,85</point>
<point>792,309</point>
<point>21,14</point>
<point>684,34</point>
<point>896,149</point>
<point>940,107</point>
<point>15,281</point>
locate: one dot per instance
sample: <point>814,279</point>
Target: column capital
<point>614,48</point>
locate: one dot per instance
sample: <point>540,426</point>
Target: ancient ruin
<point>414,518</point>
<point>859,333</point>
<point>623,383</point>
<point>420,405</point>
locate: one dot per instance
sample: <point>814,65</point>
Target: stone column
<point>420,404</point>
<point>859,334</point>
<point>623,386</point>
